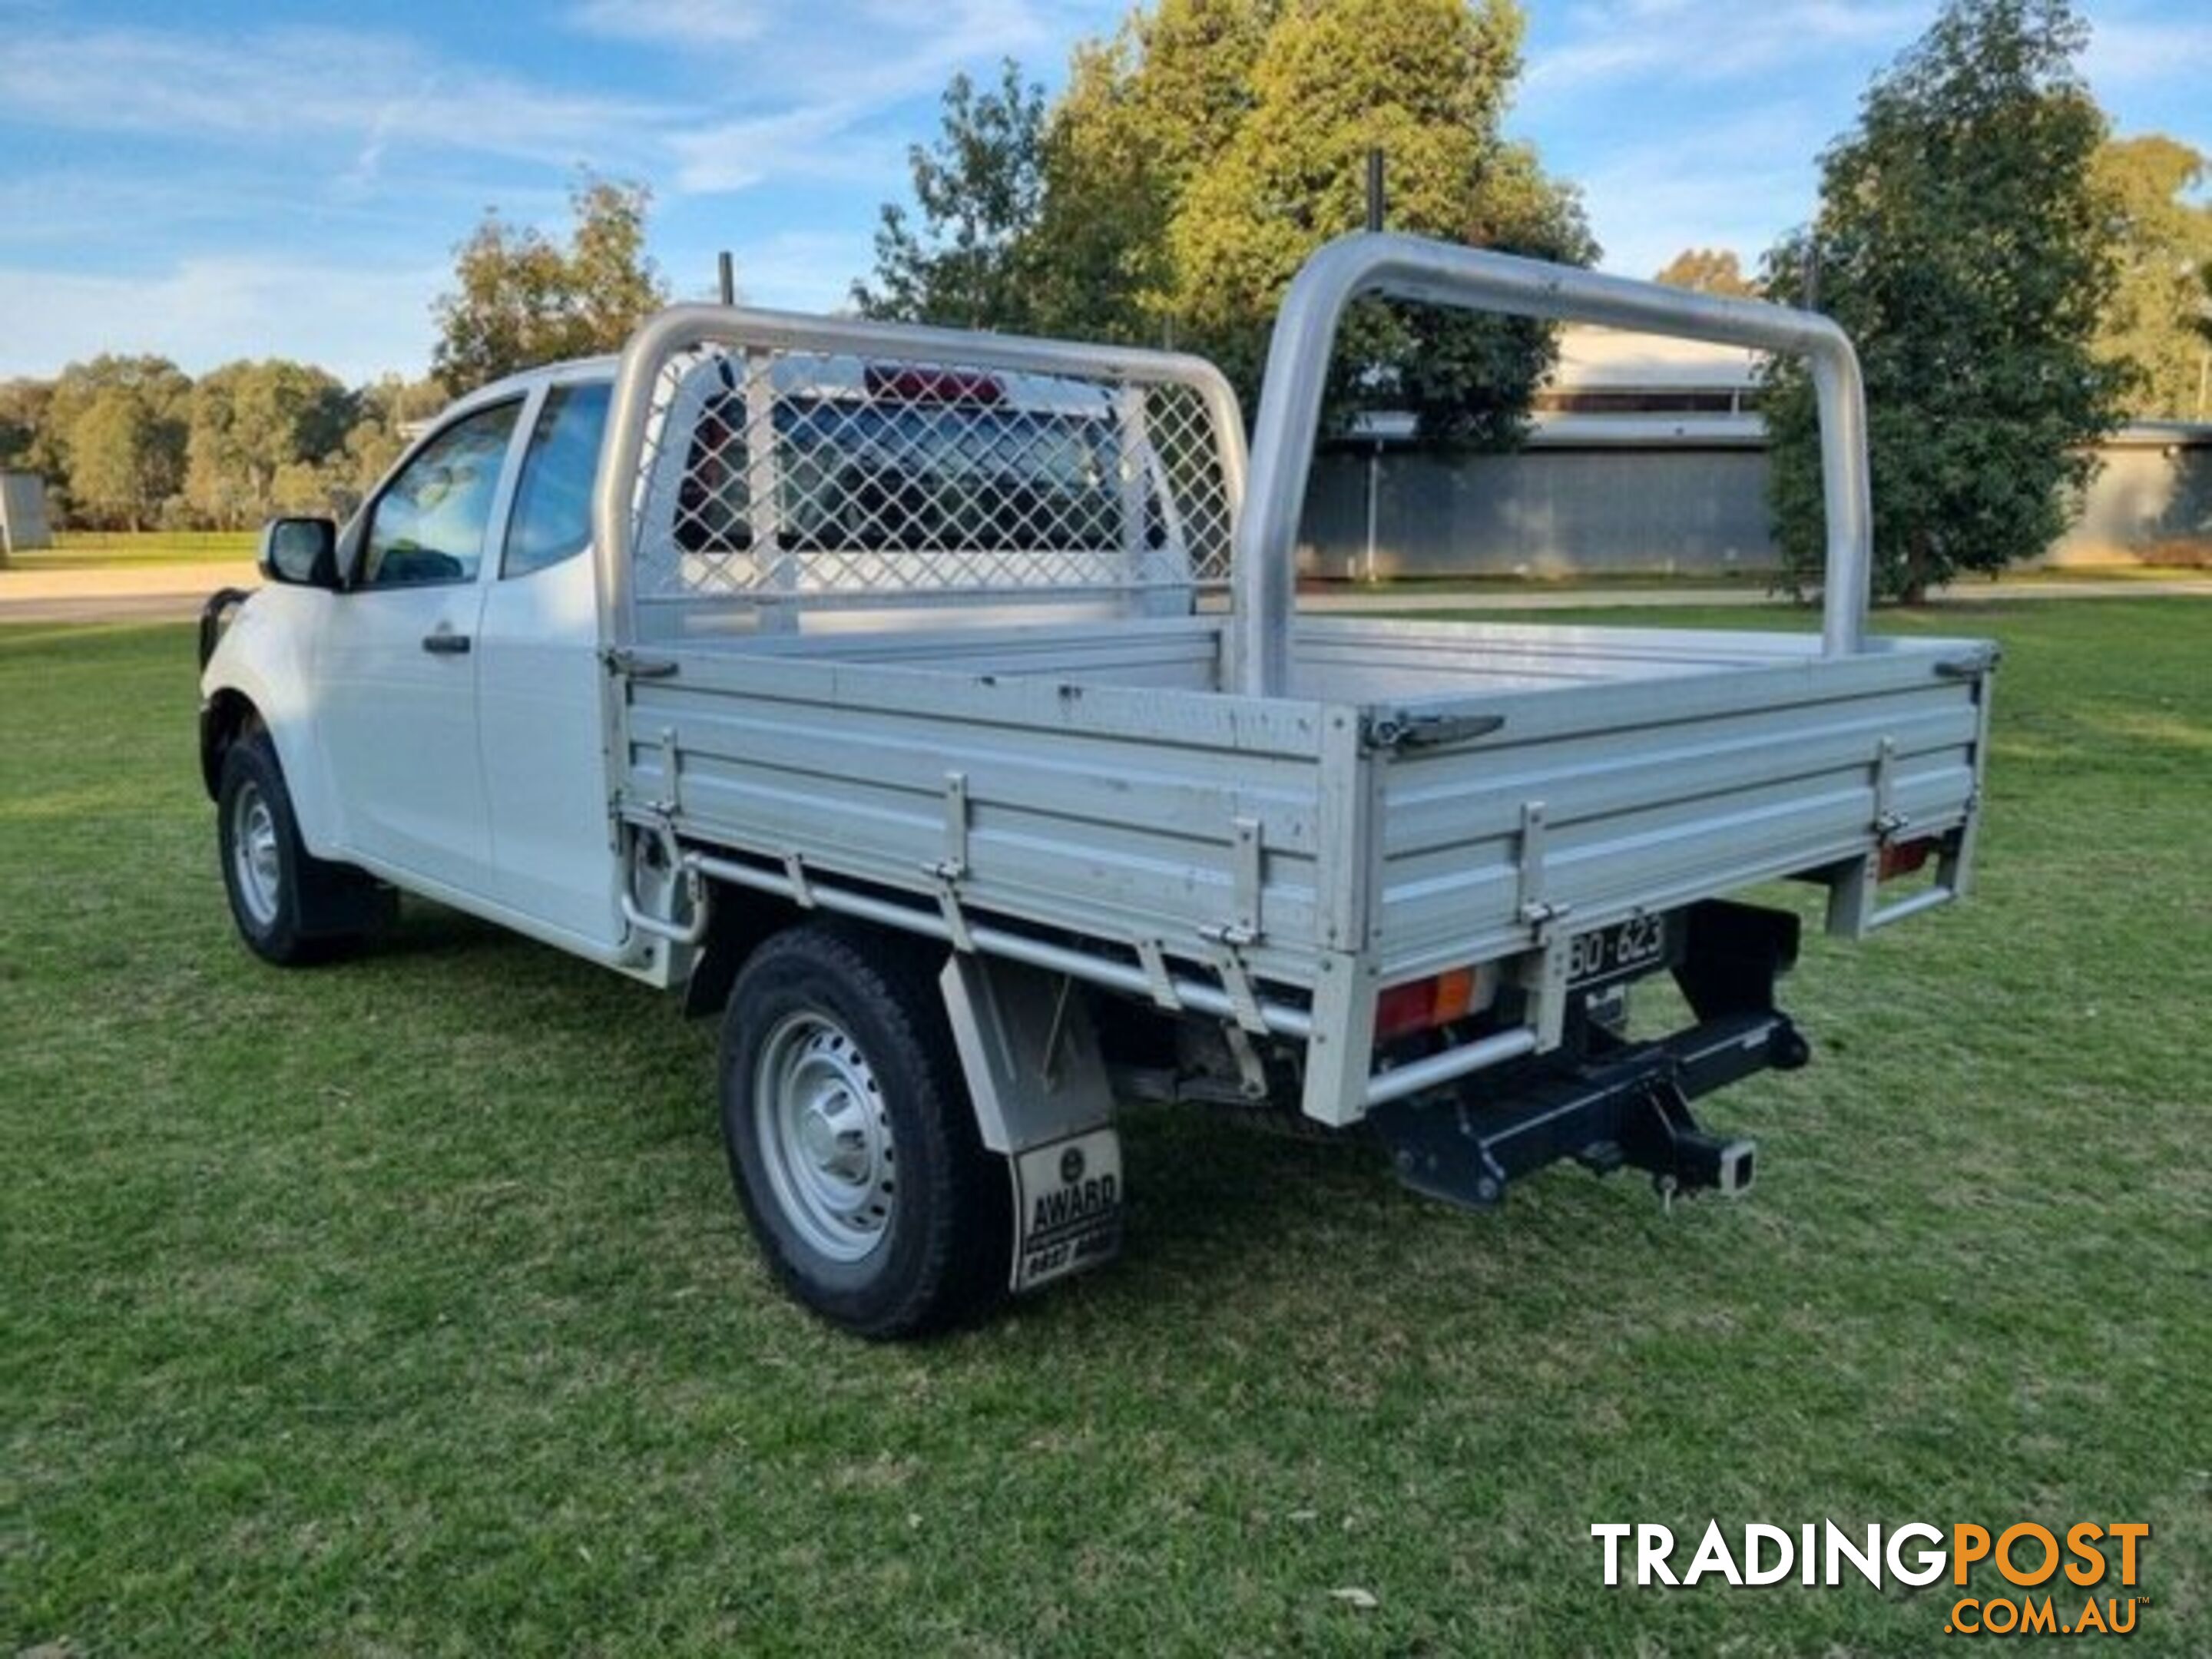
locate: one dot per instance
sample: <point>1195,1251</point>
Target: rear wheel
<point>851,1138</point>
<point>291,907</point>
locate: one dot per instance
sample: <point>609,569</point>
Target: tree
<point>1142,115</point>
<point>1428,82</point>
<point>1202,154</point>
<point>113,439</point>
<point>520,300</point>
<point>122,461</point>
<point>2163,242</point>
<point>1961,242</point>
<point>251,422</point>
<point>1708,270</point>
<point>978,188</point>
<point>384,413</point>
<point>23,406</point>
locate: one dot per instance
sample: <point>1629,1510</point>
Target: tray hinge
<point>672,775</point>
<point>1535,909</point>
<point>1245,923</point>
<point>951,869</point>
<point>954,863</point>
<point>1887,820</point>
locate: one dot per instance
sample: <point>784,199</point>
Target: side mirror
<point>303,552</point>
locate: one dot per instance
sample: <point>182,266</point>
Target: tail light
<point>1902,858</point>
<point>1422,1005</point>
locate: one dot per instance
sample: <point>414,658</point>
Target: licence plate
<point>1626,949</point>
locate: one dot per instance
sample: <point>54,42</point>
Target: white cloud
<point>807,87</point>
<point>356,322</point>
<point>802,269</point>
<point>1688,123</point>
<point>694,25</point>
<point>1611,41</point>
<point>820,142</point>
<point>2128,51</point>
<point>1730,184</point>
<point>290,84</point>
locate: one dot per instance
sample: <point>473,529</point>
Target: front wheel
<point>851,1138</point>
<point>291,907</point>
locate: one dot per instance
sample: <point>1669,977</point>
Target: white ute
<point>932,706</point>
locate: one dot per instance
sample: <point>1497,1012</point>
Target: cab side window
<point>429,525</point>
<point>552,516</point>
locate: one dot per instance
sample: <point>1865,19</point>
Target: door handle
<point>445,643</point>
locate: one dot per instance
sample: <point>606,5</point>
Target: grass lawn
<point>403,1307</point>
<point>102,549</point>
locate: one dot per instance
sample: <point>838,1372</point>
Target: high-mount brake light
<point>1422,1005</point>
<point>894,382</point>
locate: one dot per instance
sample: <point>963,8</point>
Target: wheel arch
<point>741,920</point>
<point>226,715</point>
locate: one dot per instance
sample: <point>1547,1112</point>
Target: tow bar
<point>1620,1104</point>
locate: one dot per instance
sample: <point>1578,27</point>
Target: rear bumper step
<point>1631,1108</point>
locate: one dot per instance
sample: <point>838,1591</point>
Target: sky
<point>216,178</point>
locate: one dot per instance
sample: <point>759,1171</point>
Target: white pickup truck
<point>933,705</point>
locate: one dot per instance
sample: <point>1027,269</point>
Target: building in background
<point>1647,456</point>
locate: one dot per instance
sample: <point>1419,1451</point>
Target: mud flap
<point>1067,1207</point>
<point>1038,1081</point>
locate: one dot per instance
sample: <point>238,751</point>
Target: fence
<point>1599,495</point>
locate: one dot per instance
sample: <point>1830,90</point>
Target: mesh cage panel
<point>804,477</point>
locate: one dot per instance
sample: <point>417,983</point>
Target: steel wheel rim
<point>254,861</point>
<point>824,1136</point>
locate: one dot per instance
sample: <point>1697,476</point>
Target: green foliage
<point>1428,82</point>
<point>114,433</point>
<point>130,441</point>
<point>1196,159</point>
<point>520,300</point>
<point>1961,242</point>
<point>23,406</point>
<point>121,468</point>
<point>1708,270</point>
<point>2160,308</point>
<point>252,422</point>
<point>1143,114</point>
<point>383,413</point>
<point>978,188</point>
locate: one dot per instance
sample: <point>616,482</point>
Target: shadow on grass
<point>1205,1187</point>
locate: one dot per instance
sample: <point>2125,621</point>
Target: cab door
<point>397,662</point>
<point>539,681</point>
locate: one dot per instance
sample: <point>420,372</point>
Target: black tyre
<point>851,1138</point>
<point>291,907</point>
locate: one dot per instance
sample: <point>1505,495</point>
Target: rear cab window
<point>551,521</point>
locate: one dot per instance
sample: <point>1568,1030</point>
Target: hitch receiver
<point>1633,1109</point>
<point>1621,1104</point>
